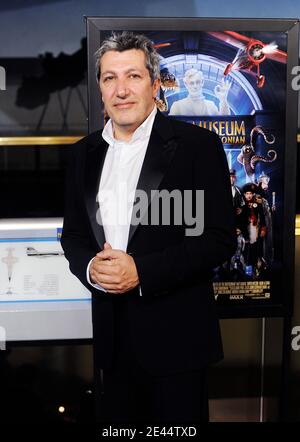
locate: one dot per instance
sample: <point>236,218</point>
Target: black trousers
<point>129,394</point>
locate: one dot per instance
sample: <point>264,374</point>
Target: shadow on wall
<point>59,73</point>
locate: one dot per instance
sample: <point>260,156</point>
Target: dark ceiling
<point>21,4</point>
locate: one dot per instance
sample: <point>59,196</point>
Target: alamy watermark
<point>296,80</point>
<point>2,338</point>
<point>295,343</point>
<point>2,79</point>
<point>118,207</point>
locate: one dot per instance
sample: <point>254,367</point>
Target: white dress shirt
<point>119,178</point>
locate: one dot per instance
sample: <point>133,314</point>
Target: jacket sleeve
<point>195,257</point>
<point>75,240</point>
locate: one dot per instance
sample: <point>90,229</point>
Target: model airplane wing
<point>227,38</point>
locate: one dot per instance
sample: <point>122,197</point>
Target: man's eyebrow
<point>133,69</point>
<point>111,71</point>
<point>107,72</point>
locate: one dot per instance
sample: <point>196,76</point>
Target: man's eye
<point>106,79</point>
<point>134,76</point>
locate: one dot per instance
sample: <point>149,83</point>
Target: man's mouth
<point>124,105</point>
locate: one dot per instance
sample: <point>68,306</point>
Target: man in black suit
<point>154,321</point>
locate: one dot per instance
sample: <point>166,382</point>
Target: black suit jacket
<point>173,324</point>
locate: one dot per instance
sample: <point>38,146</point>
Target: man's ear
<point>156,86</point>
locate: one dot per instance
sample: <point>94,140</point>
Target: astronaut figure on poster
<point>195,103</point>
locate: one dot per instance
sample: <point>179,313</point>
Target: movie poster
<point>234,83</point>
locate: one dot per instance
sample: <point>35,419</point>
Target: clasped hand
<point>114,270</point>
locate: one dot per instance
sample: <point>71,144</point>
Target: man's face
<point>264,183</point>
<point>248,196</point>
<point>232,179</point>
<point>194,84</point>
<point>126,88</point>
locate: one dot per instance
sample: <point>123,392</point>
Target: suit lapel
<point>93,167</point>
<point>160,151</point>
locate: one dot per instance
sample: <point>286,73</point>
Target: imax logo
<point>2,79</point>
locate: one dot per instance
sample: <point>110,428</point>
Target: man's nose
<point>122,88</point>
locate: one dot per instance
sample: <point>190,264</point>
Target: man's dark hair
<point>126,41</point>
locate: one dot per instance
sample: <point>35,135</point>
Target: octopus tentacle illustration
<point>248,158</point>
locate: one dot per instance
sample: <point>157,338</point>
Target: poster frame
<point>96,25</point>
